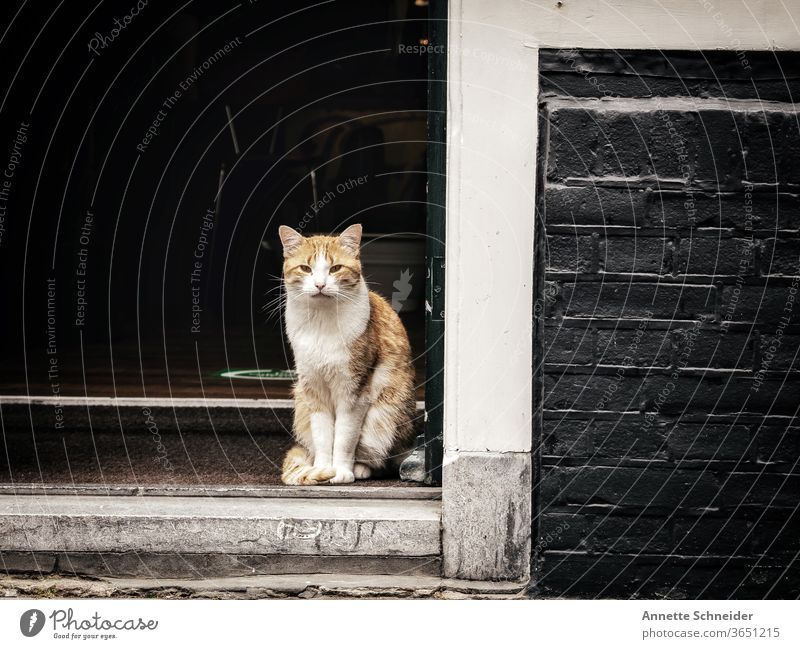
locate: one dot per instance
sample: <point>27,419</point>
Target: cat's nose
<point>319,285</point>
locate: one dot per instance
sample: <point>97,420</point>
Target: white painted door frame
<point>491,174</point>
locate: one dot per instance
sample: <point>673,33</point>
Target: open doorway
<point>147,272</point>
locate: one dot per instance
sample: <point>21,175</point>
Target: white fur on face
<point>320,276</point>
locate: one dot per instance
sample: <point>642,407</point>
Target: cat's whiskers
<point>273,300</point>
<point>275,306</point>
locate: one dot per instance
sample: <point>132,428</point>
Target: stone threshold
<point>174,524</point>
<point>302,586</point>
<point>401,491</point>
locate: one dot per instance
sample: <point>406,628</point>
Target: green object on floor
<point>259,375</point>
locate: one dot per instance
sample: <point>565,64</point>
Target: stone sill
<point>180,524</point>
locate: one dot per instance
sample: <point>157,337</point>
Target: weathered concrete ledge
<point>273,586</point>
<point>175,524</point>
<point>165,565</point>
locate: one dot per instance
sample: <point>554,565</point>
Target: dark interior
<point>140,255</point>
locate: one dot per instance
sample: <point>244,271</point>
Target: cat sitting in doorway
<point>354,396</point>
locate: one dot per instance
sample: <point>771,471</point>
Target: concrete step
<point>218,525</point>
<point>166,565</point>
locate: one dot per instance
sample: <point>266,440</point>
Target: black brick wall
<point>668,326</point>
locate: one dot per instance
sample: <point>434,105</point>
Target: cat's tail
<point>299,470</point>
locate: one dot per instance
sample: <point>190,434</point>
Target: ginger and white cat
<point>354,397</point>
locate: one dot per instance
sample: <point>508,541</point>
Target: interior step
<point>363,489</point>
<point>150,415</point>
<point>188,443</point>
<point>218,525</point>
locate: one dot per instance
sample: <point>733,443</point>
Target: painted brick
<point>616,439</point>
<point>708,535</point>
<point>636,255</point>
<point>672,576</point>
<point>605,533</point>
<point>696,145</point>
<point>569,345</point>
<point>713,535</point>
<point>731,536</point>
<point>635,300</point>
<point>571,254</point>
<point>564,532</point>
<point>599,439</point>
<point>670,209</point>
<point>710,442</point>
<point>772,146</point>
<point>775,534</point>
<point>664,394</point>
<point>555,83</point>
<point>568,438</point>
<point>587,143</point>
<point>715,225</point>
<point>778,444</point>
<point>549,487</point>
<point>763,304</point>
<point>716,256</point>
<point>779,352</point>
<point>641,347</point>
<point>719,157</point>
<point>713,349</point>
<point>781,256</point>
<point>634,487</point>
<point>596,206</point>
<point>756,210</point>
<point>765,489</point>
<point>661,348</point>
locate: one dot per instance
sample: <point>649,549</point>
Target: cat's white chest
<point>316,350</point>
<point>322,343</point>
<point>322,360</point>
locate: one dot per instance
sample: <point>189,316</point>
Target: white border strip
<point>492,94</point>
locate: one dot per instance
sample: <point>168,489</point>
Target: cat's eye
<point>336,268</point>
<point>305,268</point>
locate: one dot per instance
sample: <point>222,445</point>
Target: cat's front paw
<point>343,476</point>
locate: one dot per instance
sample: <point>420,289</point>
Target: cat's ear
<point>291,240</point>
<point>350,239</point>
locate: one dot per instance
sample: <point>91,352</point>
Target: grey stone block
<point>487,516</point>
